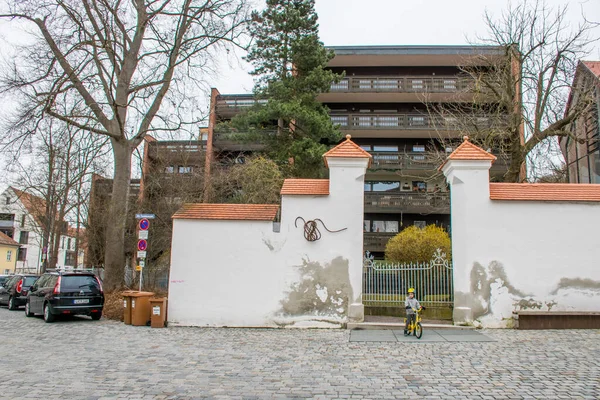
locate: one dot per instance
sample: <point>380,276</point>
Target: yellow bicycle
<point>415,326</point>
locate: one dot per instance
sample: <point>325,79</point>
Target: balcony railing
<point>388,160</point>
<point>412,121</point>
<point>233,104</point>
<point>376,241</point>
<point>7,223</point>
<point>402,84</point>
<point>410,202</point>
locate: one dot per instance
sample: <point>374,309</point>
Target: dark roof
<point>419,49</point>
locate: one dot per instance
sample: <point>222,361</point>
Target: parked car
<point>65,293</point>
<point>14,291</point>
<point>4,278</point>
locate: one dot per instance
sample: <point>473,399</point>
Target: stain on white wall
<point>518,255</point>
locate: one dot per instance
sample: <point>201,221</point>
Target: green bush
<point>414,244</point>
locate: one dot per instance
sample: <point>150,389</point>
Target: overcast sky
<point>403,22</point>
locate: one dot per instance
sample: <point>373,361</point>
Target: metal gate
<point>386,284</point>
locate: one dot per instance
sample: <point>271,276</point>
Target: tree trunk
<point>114,256</point>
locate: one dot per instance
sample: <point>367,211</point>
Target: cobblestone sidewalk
<point>84,359</point>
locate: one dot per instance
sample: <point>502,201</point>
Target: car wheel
<point>28,312</point>
<point>96,316</point>
<point>11,303</point>
<point>48,316</point>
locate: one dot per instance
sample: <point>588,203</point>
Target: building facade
<point>21,215</point>
<point>582,156</point>
<point>8,254</point>
<point>386,101</point>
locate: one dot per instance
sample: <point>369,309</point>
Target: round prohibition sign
<point>144,224</point>
<point>142,245</point>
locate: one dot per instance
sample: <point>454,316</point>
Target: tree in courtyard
<point>414,244</point>
<point>520,98</point>
<point>121,69</point>
<point>290,68</point>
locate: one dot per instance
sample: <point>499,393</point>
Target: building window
<point>169,170</point>
<point>419,186</point>
<point>420,224</point>
<point>418,148</point>
<point>70,259</point>
<point>24,237</point>
<point>7,217</point>
<point>8,255</point>
<point>68,243</point>
<point>6,271</point>
<point>22,255</point>
<point>386,186</point>
<point>367,225</point>
<point>7,200</point>
<point>185,170</point>
<point>23,220</point>
<point>385,148</point>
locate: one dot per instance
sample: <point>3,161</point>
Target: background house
<point>8,254</point>
<point>21,219</point>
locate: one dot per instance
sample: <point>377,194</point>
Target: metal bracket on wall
<point>311,231</point>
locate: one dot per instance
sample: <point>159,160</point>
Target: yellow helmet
<point>411,290</point>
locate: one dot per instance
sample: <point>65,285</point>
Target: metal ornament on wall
<point>311,231</point>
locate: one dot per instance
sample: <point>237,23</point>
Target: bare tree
<point>520,97</point>
<point>117,64</point>
<point>58,173</point>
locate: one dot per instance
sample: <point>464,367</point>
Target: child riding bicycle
<point>411,305</point>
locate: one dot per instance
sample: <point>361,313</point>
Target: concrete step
<point>399,326</point>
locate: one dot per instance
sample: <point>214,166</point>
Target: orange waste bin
<point>159,312</point>
<point>140,308</point>
<point>127,306</point>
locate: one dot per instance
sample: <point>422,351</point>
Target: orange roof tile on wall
<point>468,151</point>
<point>347,149</point>
<point>239,212</point>
<point>545,192</point>
<point>318,187</point>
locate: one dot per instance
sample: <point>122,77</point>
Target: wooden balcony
<point>231,104</point>
<point>241,141</point>
<point>402,84</point>
<point>400,89</point>
<point>394,161</point>
<point>376,241</point>
<point>407,124</point>
<point>407,202</point>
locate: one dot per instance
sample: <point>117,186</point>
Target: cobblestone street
<point>84,359</point>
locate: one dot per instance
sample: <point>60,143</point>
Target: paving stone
<point>109,360</point>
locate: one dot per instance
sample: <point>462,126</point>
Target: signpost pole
<point>141,273</point>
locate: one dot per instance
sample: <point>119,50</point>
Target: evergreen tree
<point>290,65</point>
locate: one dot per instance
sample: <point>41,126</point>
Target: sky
<point>402,22</point>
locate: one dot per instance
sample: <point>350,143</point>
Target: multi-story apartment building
<point>583,157</point>
<point>172,172</point>
<point>386,101</point>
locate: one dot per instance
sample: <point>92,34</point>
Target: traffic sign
<point>142,245</point>
<point>138,268</point>
<point>141,254</point>
<point>144,224</point>
<point>142,263</point>
<point>142,234</point>
<point>145,216</point>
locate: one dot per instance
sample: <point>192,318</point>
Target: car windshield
<point>29,280</point>
<point>3,279</point>
<point>79,282</point>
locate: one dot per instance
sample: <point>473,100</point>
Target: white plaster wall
<point>241,273</point>
<point>533,254</point>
